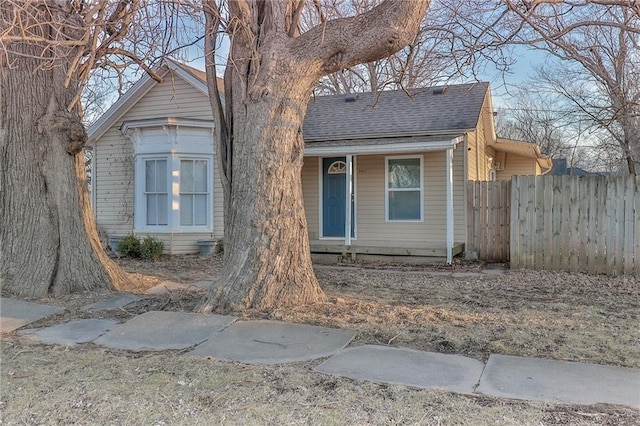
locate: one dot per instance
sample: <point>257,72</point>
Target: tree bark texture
<point>48,238</point>
<point>270,74</point>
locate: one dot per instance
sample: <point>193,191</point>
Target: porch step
<point>319,247</point>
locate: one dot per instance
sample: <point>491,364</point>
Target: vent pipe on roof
<point>350,97</point>
<point>439,90</point>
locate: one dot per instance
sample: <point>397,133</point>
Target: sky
<point>527,59</point>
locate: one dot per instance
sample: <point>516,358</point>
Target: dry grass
<point>543,314</point>
<point>554,315</point>
<point>88,385</point>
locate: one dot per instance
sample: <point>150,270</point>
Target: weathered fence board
<point>576,223</point>
<point>573,223</point>
<point>489,219</point>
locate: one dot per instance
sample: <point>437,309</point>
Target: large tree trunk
<point>48,238</point>
<point>267,257</point>
<point>270,74</point>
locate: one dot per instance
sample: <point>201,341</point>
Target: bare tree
<point>455,40</point>
<point>535,117</point>
<point>48,49</point>
<point>429,57</point>
<point>272,69</point>
<point>598,43</point>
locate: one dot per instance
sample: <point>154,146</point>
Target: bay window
<point>173,174</point>
<point>173,193</point>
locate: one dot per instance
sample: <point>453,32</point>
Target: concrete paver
<point>405,367</point>
<point>72,332</point>
<point>560,381</point>
<point>18,313</point>
<point>119,301</point>
<point>273,342</point>
<point>159,331</point>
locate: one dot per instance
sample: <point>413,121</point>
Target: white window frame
<point>387,189</point>
<point>144,193</point>
<point>173,196</point>
<point>208,192</point>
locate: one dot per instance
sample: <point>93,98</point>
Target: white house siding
<point>114,164</point>
<point>372,229</point>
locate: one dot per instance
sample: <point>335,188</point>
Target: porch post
<point>349,195</point>
<point>449,202</point>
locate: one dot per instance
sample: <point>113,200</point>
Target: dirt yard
<point>542,314</point>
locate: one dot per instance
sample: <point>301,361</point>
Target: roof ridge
<point>410,91</point>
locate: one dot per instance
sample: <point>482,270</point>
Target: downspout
<point>449,203</point>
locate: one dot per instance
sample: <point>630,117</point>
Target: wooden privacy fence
<point>575,223</point>
<point>489,218</point>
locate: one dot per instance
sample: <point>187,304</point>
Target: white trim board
<point>389,148</point>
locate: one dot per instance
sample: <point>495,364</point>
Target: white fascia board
<point>437,133</point>
<point>396,148</point>
<point>188,77</point>
<point>165,121</point>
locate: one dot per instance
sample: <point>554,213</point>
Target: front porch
<point>390,197</point>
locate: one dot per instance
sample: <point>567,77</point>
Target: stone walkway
<point>273,342</point>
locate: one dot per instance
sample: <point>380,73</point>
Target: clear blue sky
<point>502,84</point>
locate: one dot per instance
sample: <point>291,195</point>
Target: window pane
<point>150,176</point>
<point>186,176</point>
<point>404,205</point>
<point>200,175</point>
<point>161,176</point>
<point>186,210</point>
<point>200,209</point>
<point>404,173</point>
<point>162,209</point>
<point>152,210</point>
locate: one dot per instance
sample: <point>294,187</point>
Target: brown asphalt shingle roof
<point>394,113</point>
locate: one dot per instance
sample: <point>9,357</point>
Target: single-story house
<point>402,159</point>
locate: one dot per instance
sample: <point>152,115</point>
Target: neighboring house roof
<point>560,168</point>
<point>523,149</point>
<point>425,111</point>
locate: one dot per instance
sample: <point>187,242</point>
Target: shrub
<point>129,246</point>
<point>151,248</point>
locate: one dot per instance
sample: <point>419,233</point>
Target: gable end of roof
<point>191,75</point>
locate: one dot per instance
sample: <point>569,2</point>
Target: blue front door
<point>334,180</point>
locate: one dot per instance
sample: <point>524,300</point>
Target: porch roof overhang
<point>393,145</point>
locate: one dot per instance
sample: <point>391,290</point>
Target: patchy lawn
<point>543,314</point>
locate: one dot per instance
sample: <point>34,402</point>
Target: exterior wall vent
<point>350,97</point>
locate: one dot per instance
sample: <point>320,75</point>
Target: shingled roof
<point>428,111</point>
